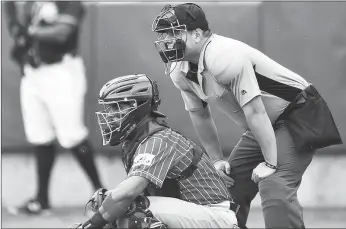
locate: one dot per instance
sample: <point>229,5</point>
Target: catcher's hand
<point>223,168</point>
<point>97,199</point>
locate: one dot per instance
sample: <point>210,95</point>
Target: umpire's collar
<point>184,67</point>
<point>201,55</point>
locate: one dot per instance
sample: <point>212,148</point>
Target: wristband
<point>270,165</point>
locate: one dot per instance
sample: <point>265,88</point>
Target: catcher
<point>171,181</point>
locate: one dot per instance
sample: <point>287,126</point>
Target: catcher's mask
<point>171,25</point>
<point>127,100</point>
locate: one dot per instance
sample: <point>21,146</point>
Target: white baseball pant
<point>52,102</point>
<point>175,213</point>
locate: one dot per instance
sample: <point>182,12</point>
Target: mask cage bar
<point>110,120</point>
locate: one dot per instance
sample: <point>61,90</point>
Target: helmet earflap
<point>156,98</point>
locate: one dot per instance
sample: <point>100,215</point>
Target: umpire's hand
<point>261,172</point>
<point>224,170</point>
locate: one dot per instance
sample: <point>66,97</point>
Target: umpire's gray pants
<point>175,213</point>
<point>278,192</point>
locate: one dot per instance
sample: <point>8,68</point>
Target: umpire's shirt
<point>230,74</point>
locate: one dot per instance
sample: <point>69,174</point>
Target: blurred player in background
<point>184,189</point>
<point>284,117</point>
<point>52,88</point>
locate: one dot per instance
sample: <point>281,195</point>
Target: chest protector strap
<point>170,186</point>
<point>130,147</point>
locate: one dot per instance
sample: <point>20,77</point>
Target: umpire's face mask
<point>171,39</point>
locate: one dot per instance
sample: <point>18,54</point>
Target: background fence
<point>116,39</point>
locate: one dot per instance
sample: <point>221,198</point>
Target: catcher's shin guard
<point>138,216</point>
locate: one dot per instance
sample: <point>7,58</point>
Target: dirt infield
<point>70,189</point>
<point>63,217</point>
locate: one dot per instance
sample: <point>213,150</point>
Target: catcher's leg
<point>138,215</point>
<point>175,213</point>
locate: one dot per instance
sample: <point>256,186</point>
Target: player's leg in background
<point>245,156</point>
<point>67,110</point>
<point>278,192</point>
<point>39,132</point>
<point>175,213</point>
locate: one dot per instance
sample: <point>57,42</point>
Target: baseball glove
<point>96,201</point>
<point>97,198</point>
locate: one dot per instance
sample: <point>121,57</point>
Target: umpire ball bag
<point>310,122</point>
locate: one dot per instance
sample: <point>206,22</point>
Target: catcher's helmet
<point>127,100</point>
<point>171,24</point>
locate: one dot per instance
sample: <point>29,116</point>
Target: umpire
<point>52,88</point>
<point>283,116</point>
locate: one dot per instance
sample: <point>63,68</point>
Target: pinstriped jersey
<point>166,154</point>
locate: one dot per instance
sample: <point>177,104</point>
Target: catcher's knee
<point>139,216</point>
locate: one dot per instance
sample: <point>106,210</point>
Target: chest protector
<point>170,187</point>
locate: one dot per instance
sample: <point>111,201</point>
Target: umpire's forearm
<point>207,133</point>
<point>262,129</point>
<point>259,123</point>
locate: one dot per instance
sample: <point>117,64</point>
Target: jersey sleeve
<point>70,12</point>
<point>192,101</point>
<point>237,73</point>
<point>152,160</point>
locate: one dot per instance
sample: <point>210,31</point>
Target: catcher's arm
<point>117,201</point>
